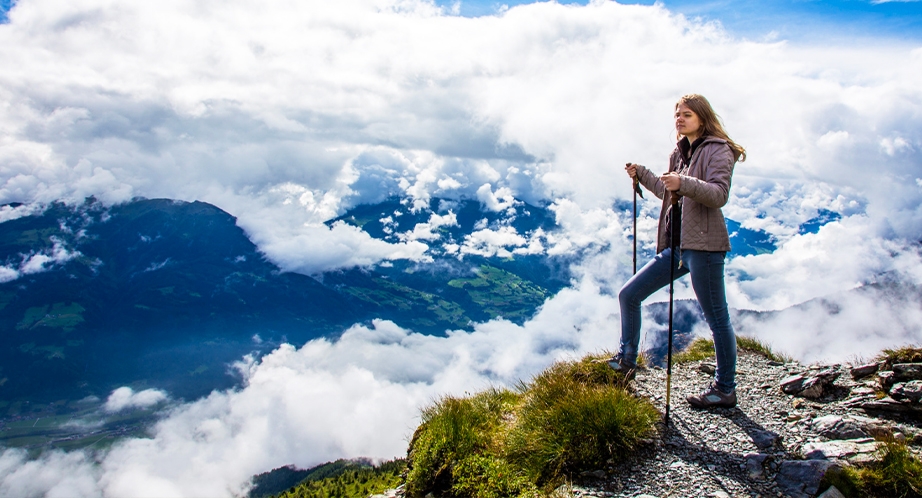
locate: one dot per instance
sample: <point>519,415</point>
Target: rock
<point>910,392</point>
<point>839,427</point>
<point>908,371</point>
<point>764,439</point>
<point>862,391</point>
<point>812,386</point>
<point>598,474</point>
<point>719,494</point>
<point>708,368</point>
<point>888,404</point>
<point>754,464</point>
<point>793,384</point>
<point>839,449</point>
<point>863,371</point>
<point>886,379</point>
<point>832,492</point>
<point>801,478</point>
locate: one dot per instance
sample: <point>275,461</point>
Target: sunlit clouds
<point>287,113</point>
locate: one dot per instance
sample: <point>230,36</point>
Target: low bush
<point>575,416</point>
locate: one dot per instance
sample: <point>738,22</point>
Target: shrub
<point>575,416</point>
<point>452,430</point>
<point>487,476</point>
<point>566,425</point>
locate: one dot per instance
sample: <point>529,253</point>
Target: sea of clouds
<point>286,113</point>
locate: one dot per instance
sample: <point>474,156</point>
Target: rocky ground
<point>792,423</point>
<point>774,443</point>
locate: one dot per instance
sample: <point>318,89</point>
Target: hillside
<point>159,293</point>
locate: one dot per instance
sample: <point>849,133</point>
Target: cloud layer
<point>287,113</point>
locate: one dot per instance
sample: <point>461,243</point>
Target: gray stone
<point>863,371</point>
<point>907,391</point>
<point>839,449</point>
<point>839,427</point>
<point>888,404</point>
<point>908,371</point>
<point>886,379</point>
<point>764,439</point>
<point>801,478</point>
<point>832,492</point>
<point>708,368</point>
<point>754,465</point>
<point>812,386</point>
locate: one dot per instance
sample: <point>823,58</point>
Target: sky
<point>287,113</point>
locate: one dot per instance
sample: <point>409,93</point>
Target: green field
<point>67,425</point>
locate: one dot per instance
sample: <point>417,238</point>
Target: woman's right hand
<point>631,170</point>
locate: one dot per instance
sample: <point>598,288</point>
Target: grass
<point>896,473</point>
<point>701,349</point>
<point>906,354</point>
<point>575,416</point>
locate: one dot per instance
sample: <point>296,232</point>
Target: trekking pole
<point>636,192</point>
<point>672,245</point>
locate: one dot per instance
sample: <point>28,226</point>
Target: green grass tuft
<point>452,430</point>
<point>575,416</point>
<point>907,354</point>
<point>698,350</point>
<point>702,348</point>
<point>896,473</point>
<point>754,345</point>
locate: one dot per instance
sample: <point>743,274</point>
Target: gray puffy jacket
<point>706,188</point>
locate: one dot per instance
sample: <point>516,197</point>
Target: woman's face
<point>687,122</point>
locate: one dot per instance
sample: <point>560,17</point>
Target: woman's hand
<point>631,170</point>
<point>671,180</point>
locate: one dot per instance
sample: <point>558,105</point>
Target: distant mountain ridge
<point>163,293</point>
<point>160,293</point>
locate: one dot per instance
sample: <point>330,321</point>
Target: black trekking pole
<point>675,212</point>
<point>636,192</point>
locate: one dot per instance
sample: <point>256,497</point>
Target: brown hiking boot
<point>713,397</point>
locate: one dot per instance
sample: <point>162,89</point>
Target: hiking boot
<point>713,397</point>
<point>618,364</point>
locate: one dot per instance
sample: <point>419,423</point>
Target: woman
<point>697,185</point>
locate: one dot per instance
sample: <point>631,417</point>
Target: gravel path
<point>719,452</point>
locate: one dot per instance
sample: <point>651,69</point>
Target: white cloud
<point>286,114</point>
<point>125,398</point>
<point>357,396</point>
<point>424,231</point>
<point>37,262</point>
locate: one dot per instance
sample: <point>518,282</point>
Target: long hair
<point>710,122</point>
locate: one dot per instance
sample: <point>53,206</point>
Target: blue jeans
<point>707,276</point>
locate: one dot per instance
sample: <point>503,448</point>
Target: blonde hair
<point>710,122</point>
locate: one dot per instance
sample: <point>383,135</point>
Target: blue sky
<point>797,20</point>
<point>4,8</point>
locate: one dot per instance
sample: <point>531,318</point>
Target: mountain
<point>166,294</point>
<point>160,293</point>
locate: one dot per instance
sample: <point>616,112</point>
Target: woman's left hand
<point>671,180</point>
